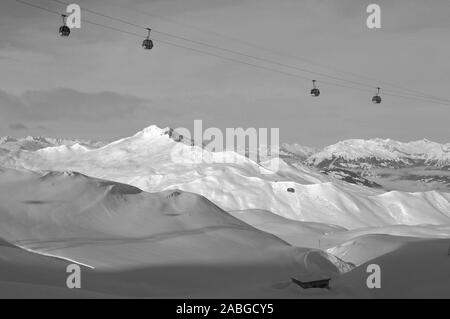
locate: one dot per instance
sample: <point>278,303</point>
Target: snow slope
<point>31,143</point>
<point>233,182</point>
<point>382,153</point>
<point>90,205</point>
<point>177,244</point>
<point>139,244</point>
<point>53,212</point>
<point>299,151</point>
<point>380,163</point>
<point>301,234</point>
<point>410,268</point>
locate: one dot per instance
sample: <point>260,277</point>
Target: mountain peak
<point>383,152</point>
<point>152,131</point>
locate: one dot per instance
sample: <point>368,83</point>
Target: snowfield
<point>146,218</point>
<point>385,151</point>
<point>122,233</point>
<point>234,182</point>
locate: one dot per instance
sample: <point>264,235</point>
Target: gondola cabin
<point>64,30</point>
<point>377,98</point>
<point>315,92</point>
<point>147,44</point>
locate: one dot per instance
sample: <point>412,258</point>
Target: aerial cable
<point>419,95</point>
<point>214,46</point>
<point>228,58</point>
<point>240,53</point>
<point>282,53</point>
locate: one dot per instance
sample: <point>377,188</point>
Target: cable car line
<point>209,45</point>
<point>232,59</point>
<point>38,7</point>
<point>419,95</point>
<point>198,50</point>
<point>276,52</point>
<point>280,53</point>
<point>244,54</point>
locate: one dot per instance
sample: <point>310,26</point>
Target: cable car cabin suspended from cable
<point>315,91</point>
<point>147,44</point>
<point>377,98</point>
<point>64,30</point>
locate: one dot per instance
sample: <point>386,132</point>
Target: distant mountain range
<point>385,153</point>
<point>380,163</point>
<point>158,159</point>
<point>144,207</point>
<point>352,153</point>
<point>31,143</point>
<point>415,166</point>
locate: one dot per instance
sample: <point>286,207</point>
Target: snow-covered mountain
<point>385,153</point>
<point>382,163</point>
<point>297,150</point>
<point>154,161</point>
<point>31,143</point>
<point>133,243</point>
<point>146,207</point>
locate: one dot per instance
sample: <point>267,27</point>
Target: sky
<point>100,84</point>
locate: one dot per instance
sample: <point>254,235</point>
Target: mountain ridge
<point>384,152</point>
<point>388,164</point>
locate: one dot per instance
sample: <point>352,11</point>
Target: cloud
<point>71,113</point>
<point>63,104</point>
<point>18,127</point>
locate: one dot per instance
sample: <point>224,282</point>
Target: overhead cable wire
<point>231,59</point>
<point>280,53</point>
<point>417,94</point>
